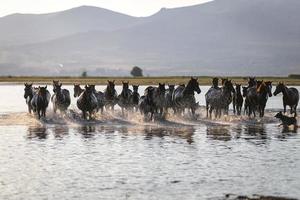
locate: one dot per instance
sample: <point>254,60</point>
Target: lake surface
<point>64,157</point>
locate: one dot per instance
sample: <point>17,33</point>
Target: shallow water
<point>127,158</point>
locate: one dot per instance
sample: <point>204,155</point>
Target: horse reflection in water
<point>218,133</point>
<point>181,132</point>
<point>37,132</point>
<point>256,132</point>
<point>60,131</point>
<point>87,131</point>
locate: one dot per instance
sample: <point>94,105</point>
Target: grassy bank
<point>203,80</point>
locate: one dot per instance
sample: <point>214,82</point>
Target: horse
<point>184,97</point>
<point>252,82</point>
<point>246,104</point>
<point>87,102</point>
<point>230,97</point>
<point>40,101</point>
<point>290,97</point>
<point>168,98</point>
<point>264,91</point>
<point>124,99</point>
<point>146,103</point>
<point>61,99</point>
<point>100,98</point>
<point>219,100</point>
<point>159,98</point>
<point>237,100</point>
<point>111,95</point>
<point>28,95</point>
<point>77,90</point>
<point>135,97</point>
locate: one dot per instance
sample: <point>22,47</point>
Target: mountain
<point>19,29</point>
<point>222,37</point>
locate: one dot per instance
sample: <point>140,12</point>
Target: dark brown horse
<point>111,95</point>
<point>135,97</point>
<point>290,97</point>
<point>264,91</point>
<point>237,100</point>
<point>124,99</point>
<point>40,101</point>
<point>77,90</point>
<point>87,102</point>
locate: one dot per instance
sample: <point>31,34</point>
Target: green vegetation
<point>203,80</point>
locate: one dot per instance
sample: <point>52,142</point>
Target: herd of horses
<point>159,100</point>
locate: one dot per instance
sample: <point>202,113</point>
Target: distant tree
<point>295,76</point>
<point>136,71</point>
<point>84,74</point>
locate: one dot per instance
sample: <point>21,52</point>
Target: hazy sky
<point>131,7</point>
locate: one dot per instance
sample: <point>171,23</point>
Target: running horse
<point>264,91</point>
<point>61,99</point>
<point>28,95</point>
<point>184,97</point>
<point>124,99</point>
<point>111,95</point>
<point>290,97</point>
<point>87,102</point>
<point>40,101</point>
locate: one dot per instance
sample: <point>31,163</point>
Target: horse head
<point>111,85</point>
<point>171,87</point>
<point>194,84</point>
<point>125,85</point>
<point>77,90</point>
<point>55,85</point>
<point>162,88</point>
<point>27,90</point>
<point>251,81</point>
<point>215,82</point>
<point>269,87</point>
<point>279,88</point>
<point>42,91</point>
<point>223,81</point>
<point>135,88</point>
<point>229,86</point>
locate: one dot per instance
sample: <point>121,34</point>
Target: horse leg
<point>54,108</point>
<point>210,111</point>
<point>39,113</point>
<point>102,109</point>
<point>193,111</point>
<point>284,108</point>
<point>207,107</point>
<point>234,107</point>
<point>29,109</point>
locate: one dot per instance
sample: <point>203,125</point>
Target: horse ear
<point>46,87</point>
<point>108,81</point>
<point>113,81</point>
<point>60,85</point>
<point>25,84</point>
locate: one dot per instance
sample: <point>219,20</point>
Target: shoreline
<point>203,80</point>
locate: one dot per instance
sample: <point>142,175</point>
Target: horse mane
<point>260,87</point>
